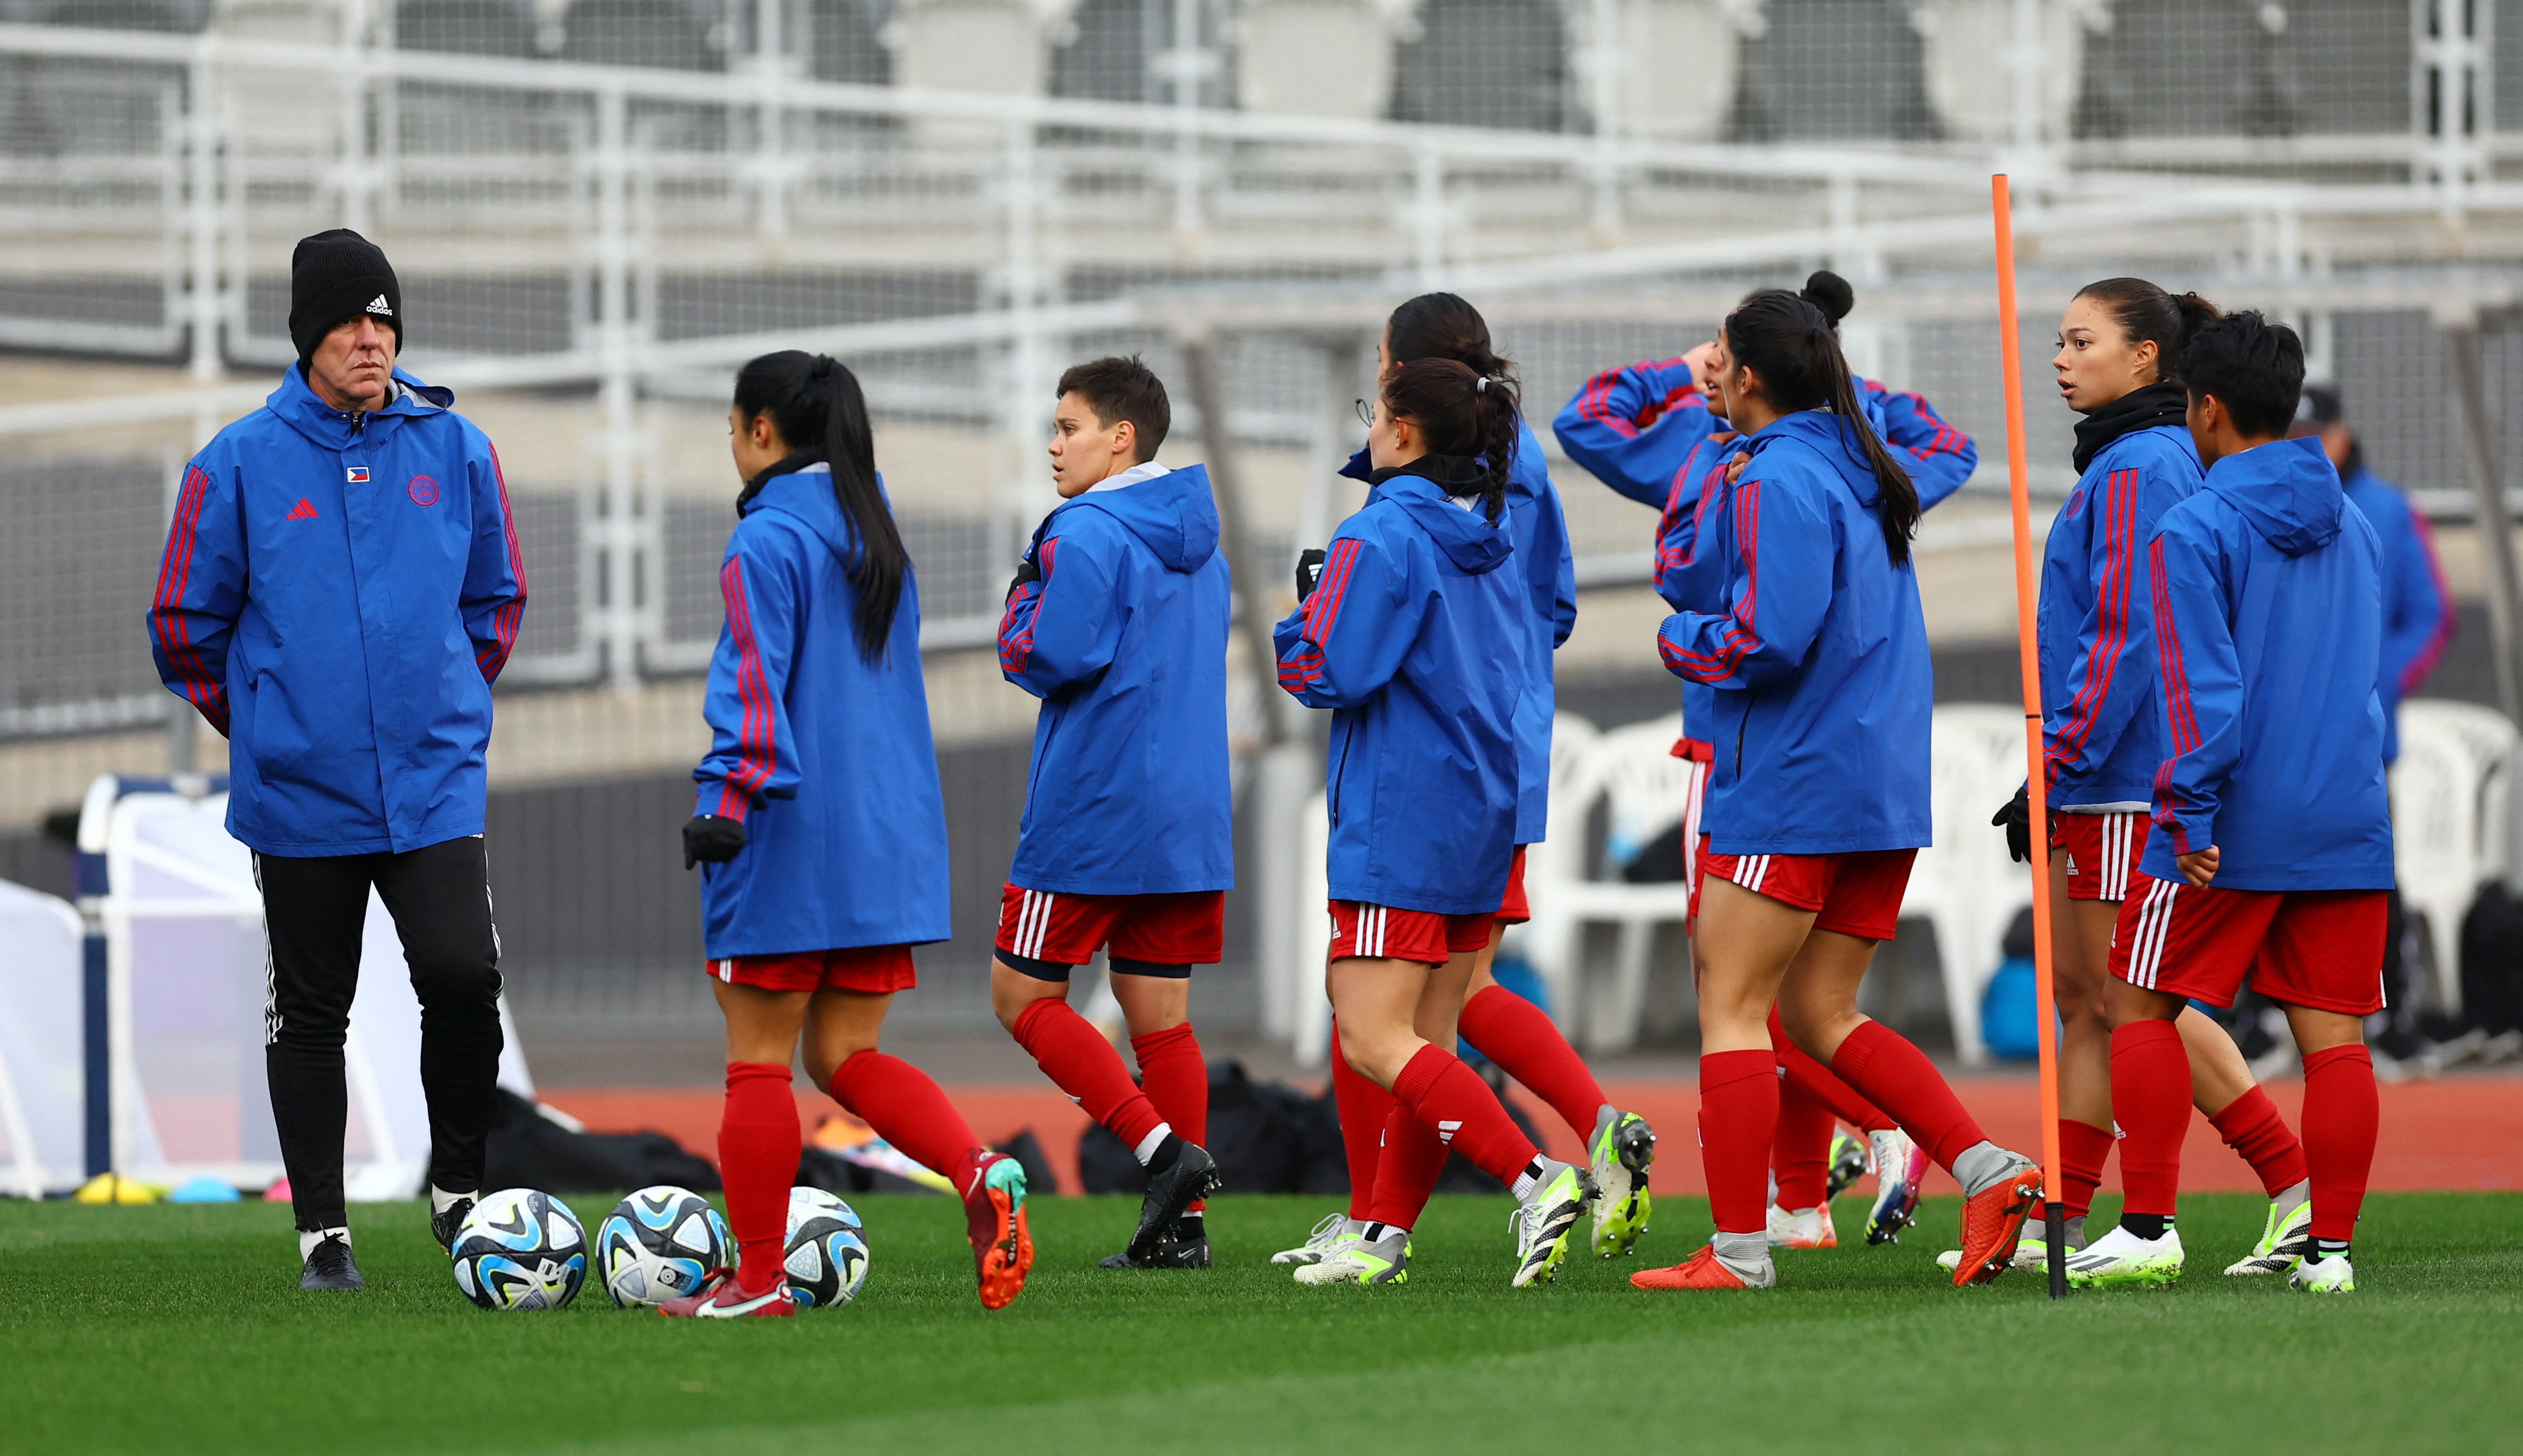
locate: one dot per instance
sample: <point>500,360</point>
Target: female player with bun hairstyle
<point>1413,633</point>
<point>2103,736</point>
<point>1658,448</point>
<point>822,828</point>
<point>1507,1029</point>
<point>1801,611</point>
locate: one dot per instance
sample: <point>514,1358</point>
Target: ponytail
<point>2148,314</point>
<point>1462,413</point>
<point>820,410</point>
<point>1790,341</point>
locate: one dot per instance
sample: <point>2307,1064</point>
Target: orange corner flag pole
<point>2026,603</point>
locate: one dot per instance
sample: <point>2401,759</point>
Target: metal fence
<point>600,208</point>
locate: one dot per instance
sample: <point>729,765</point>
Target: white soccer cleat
<point>1900,1168</point>
<point>2286,1239</point>
<point>1806,1228</point>
<point>1317,1243</point>
<point>2123,1259</point>
<point>1353,1260</point>
<point>2330,1275</point>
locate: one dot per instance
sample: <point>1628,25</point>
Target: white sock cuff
<point>441,1199</point>
<point>308,1238</point>
<point>1155,1140</point>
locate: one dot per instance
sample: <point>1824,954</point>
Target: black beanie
<point>337,275</point>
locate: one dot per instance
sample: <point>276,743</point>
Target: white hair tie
<point>1481,385</point>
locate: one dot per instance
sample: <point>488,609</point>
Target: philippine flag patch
<point>357,474</point>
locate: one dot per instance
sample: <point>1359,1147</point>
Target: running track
<point>2461,1132</point>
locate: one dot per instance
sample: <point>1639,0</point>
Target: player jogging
<point>2272,859</point>
<point>1415,633</point>
<point>1803,613</point>
<point>2102,739</point>
<point>823,830</point>
<point>1509,1030</point>
<point>1617,424</point>
<point>1118,621</point>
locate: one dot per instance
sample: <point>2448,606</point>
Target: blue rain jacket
<point>1538,528</point>
<point>336,597</point>
<point>1815,644</point>
<point>2417,609</point>
<point>825,756</point>
<point>1124,641</point>
<point>1634,427</point>
<point>2268,627</point>
<point>2101,735</point>
<point>1410,634</point>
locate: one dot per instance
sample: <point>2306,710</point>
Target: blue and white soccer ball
<point>520,1249</point>
<point>659,1243</point>
<point>826,1254</point>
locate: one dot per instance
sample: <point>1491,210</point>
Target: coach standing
<point>340,586</point>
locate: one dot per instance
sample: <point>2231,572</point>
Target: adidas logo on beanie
<point>338,275</point>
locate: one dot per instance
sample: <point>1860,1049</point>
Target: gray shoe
<point>329,1266</point>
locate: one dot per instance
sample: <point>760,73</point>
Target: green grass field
<point>181,1329</point>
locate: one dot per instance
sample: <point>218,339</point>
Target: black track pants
<point>312,911</point>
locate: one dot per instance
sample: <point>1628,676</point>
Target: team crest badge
<point>357,474</point>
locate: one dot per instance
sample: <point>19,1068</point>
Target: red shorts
<point>1056,931</point>
<point>1855,894</point>
<point>1513,909</point>
<point>2321,949</point>
<point>1376,932</point>
<point>870,971</point>
<point>2101,849</point>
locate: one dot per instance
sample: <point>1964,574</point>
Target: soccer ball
<point>826,1254</point>
<point>520,1249</point>
<point>658,1243</point>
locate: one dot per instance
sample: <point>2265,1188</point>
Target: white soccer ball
<point>520,1249</point>
<point>659,1243</point>
<point>826,1254</point>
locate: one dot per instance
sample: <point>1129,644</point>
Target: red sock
<point>1739,1109</point>
<point>2252,1127</point>
<point>1075,1057</point>
<point>1175,1079</point>
<point>2342,1113</point>
<point>907,1108</point>
<point>2151,1102</point>
<point>1801,1147</point>
<point>1817,1082</point>
<point>1407,1174</point>
<point>758,1141</point>
<point>1521,1038</point>
<point>1363,1107</point>
<point>2082,1150</point>
<point>1450,1096</point>
<point>1890,1072</point>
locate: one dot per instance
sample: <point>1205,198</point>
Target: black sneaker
<point>443,1226</point>
<point>1192,1178</point>
<point>1173,1251</point>
<point>329,1266</point>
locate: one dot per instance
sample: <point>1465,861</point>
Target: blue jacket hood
<point>1469,537</point>
<point>296,404</point>
<point>2287,489</point>
<point>1173,514</point>
<point>1829,437</point>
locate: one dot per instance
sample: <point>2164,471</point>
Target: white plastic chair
<point>1313,1038</point>
<point>1963,885</point>
<point>1646,789</point>
<point>2435,835</point>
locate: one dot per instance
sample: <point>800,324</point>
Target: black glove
<point>2016,818</point>
<point>708,837</point>
<point>1027,570</point>
<point>1309,569</point>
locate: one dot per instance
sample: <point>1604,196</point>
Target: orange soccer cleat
<point>1992,1220</point>
<point>994,1220</point>
<point>1701,1271</point>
